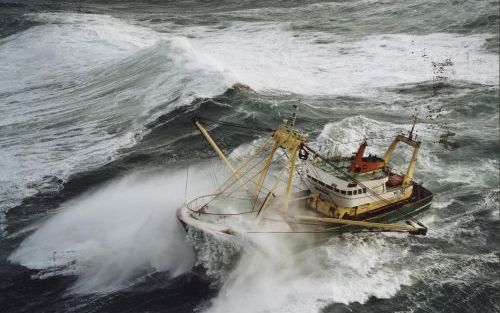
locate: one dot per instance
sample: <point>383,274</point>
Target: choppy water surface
<point>96,139</point>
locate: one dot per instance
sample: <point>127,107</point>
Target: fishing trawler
<point>286,186</point>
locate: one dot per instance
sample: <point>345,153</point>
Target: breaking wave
<point>101,82</point>
<point>271,57</point>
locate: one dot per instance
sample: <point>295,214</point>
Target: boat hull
<point>419,202</point>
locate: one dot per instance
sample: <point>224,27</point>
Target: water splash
<point>114,236</point>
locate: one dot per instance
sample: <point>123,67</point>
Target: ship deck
<point>228,216</point>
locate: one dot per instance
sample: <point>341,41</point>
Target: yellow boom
<point>212,143</point>
<point>382,226</point>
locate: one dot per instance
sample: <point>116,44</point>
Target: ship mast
<point>412,143</point>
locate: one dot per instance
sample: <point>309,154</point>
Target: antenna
<point>415,116</point>
<point>294,115</point>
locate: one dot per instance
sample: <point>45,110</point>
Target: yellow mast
<point>286,138</point>
<point>409,141</point>
<point>264,169</point>
<point>291,141</point>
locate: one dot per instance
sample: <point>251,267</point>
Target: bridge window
<point>336,190</point>
<point>354,192</point>
<point>342,192</point>
<point>364,190</point>
<point>349,193</point>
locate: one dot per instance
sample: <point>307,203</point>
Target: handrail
<point>195,206</point>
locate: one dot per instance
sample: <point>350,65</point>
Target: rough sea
<point>97,143</point>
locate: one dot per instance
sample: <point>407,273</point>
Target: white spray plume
<point>115,235</point>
